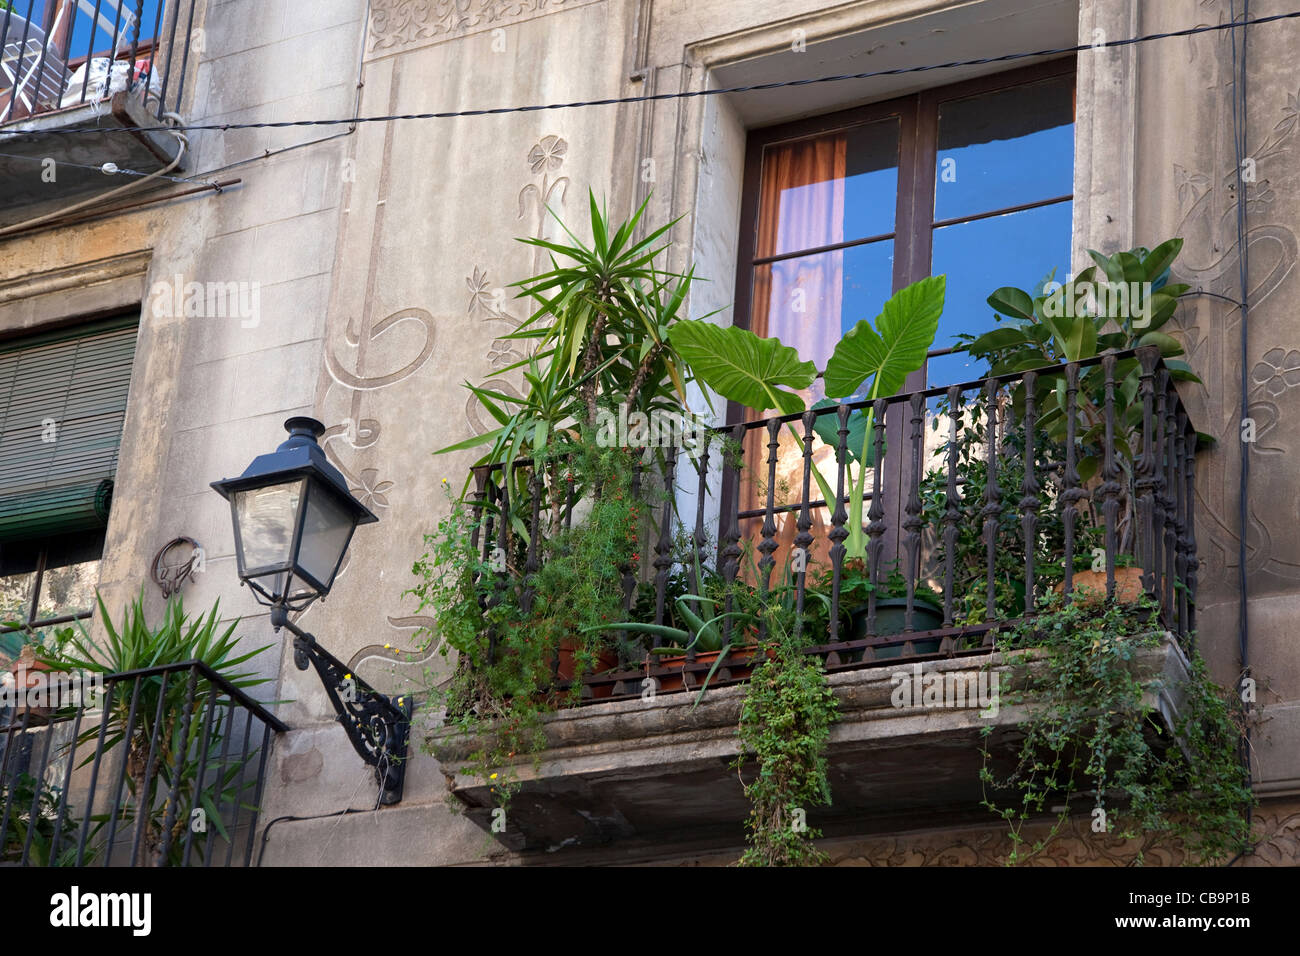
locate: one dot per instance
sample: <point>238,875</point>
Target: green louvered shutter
<point>70,386</point>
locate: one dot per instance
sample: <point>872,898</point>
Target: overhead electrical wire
<point>112,169</point>
<point>681,94</point>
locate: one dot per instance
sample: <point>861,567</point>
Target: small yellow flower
<point>493,777</point>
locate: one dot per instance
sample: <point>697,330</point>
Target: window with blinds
<point>62,403</point>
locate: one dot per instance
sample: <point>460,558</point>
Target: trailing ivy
<point>785,725</point>
<point>1093,732</point>
<point>508,627</point>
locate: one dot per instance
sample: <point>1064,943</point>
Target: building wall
<point>385,253</point>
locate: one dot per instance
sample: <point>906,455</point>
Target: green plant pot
<point>891,618</point>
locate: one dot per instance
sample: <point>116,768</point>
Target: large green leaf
<point>827,428</point>
<point>1159,260</point>
<point>996,340</point>
<point>896,347</point>
<point>1013,302</point>
<point>743,367</point>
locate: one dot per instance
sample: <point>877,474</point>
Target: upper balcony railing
<point>982,499</point>
<point>61,54</point>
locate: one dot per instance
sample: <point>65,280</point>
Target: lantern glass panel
<point>267,517</point>
<point>327,528</point>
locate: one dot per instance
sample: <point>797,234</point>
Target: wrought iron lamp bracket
<point>378,726</point>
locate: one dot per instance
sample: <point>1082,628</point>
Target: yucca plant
<point>135,645</point>
<point>599,337</point>
<point>602,313</point>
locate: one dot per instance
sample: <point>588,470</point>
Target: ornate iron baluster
<point>839,517</point>
<point>500,557</point>
<point>1111,488</point>
<point>1029,488</point>
<point>700,538</point>
<point>1160,497</point>
<point>767,546</point>
<point>992,512</point>
<point>571,494</point>
<point>1173,506</point>
<point>912,523</point>
<point>876,516</point>
<point>1193,563</point>
<point>1072,494</point>
<point>532,565</point>
<point>664,547</point>
<point>731,552</point>
<point>1179,611</point>
<point>951,512</point>
<point>1145,472</point>
<point>803,539</point>
<point>633,567</point>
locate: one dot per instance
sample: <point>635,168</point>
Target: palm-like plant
<point>600,335</point>
<point>610,289</point>
<point>183,757</point>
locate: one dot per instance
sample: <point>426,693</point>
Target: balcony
<point>163,766</point>
<point>979,507</point>
<point>72,65</point>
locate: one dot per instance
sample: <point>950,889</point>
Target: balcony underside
<point>78,157</point>
<point>653,772</point>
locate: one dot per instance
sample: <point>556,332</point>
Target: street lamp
<point>294,518</point>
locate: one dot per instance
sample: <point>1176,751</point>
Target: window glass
<point>829,189</point>
<point>1003,149</point>
<point>68,590</point>
<point>1020,249</point>
<point>809,302</point>
<point>15,597</point>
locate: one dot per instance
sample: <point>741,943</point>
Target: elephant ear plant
<point>759,373</point>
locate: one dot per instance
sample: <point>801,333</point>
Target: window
<point>972,180</point>
<point>63,399</point>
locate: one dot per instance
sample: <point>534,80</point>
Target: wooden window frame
<point>914,226</point>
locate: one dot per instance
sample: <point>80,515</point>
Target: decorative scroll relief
<point>397,25</point>
<point>487,302</point>
<point>1207,205</point>
<point>356,377</point>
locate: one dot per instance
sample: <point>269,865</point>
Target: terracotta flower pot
<point>29,674</point>
<point>1089,587</point>
<point>605,660</point>
<point>739,665</point>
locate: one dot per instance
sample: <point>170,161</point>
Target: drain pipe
<point>1239,135</point>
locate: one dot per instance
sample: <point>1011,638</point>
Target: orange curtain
<point>801,206</point>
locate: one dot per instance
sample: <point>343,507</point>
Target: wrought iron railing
<point>973,460</point>
<point>163,766</point>
<point>58,54</point>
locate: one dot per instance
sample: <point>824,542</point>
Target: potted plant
<point>1082,320</point>
<point>1088,584</point>
<point>155,710</point>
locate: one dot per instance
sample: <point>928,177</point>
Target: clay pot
<point>28,674</point>
<point>1089,587</point>
<point>739,665</point>
<point>606,660</point>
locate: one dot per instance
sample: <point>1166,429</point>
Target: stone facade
<point>384,252</point>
